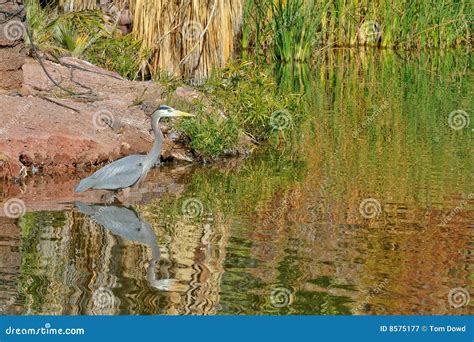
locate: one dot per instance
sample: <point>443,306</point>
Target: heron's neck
<point>155,151</point>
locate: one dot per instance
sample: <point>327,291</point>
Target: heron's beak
<point>180,113</point>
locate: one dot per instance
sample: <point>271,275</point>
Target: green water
<point>369,210</point>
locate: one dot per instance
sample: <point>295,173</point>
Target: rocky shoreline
<point>101,117</point>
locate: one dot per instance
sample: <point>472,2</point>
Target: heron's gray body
<point>128,171</point>
<point>120,174</point>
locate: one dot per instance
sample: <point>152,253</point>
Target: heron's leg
<point>126,192</point>
<point>110,197</point>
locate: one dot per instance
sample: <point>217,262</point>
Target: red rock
<point>55,132</point>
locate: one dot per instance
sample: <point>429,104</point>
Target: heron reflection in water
<point>128,171</point>
<point>128,224</point>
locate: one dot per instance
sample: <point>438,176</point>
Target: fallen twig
<point>59,103</point>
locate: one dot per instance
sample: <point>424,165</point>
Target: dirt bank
<point>97,117</point>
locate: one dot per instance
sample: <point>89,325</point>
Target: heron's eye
<point>169,110</point>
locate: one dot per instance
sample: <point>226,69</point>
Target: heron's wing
<point>120,174</point>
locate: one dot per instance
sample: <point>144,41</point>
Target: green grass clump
<point>123,54</point>
<point>255,108</point>
<point>68,34</point>
<point>250,94</point>
<point>212,137</point>
<point>85,35</point>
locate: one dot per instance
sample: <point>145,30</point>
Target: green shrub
<point>122,54</point>
<point>255,107</point>
<point>211,136</point>
<point>87,35</point>
<point>68,34</point>
<point>250,94</point>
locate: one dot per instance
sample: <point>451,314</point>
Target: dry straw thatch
<point>186,38</point>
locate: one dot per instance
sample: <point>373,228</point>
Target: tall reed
<point>290,27</point>
<point>185,38</point>
<point>294,25</point>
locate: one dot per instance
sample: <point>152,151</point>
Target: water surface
<point>370,212</point>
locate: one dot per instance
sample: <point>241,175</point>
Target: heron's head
<point>168,112</point>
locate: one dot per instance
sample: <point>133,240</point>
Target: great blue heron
<point>126,172</point>
<point>129,225</point>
